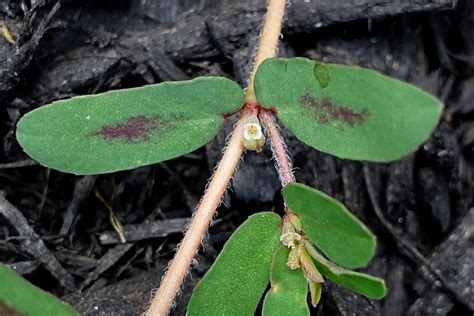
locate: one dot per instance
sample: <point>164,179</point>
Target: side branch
<point>280,153</point>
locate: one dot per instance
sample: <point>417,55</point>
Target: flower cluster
<point>300,255</point>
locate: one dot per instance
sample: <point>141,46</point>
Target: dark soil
<point>56,230</point>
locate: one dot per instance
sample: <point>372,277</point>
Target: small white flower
<point>290,239</point>
<point>253,135</point>
<point>253,131</point>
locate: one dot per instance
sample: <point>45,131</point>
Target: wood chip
<point>34,245</point>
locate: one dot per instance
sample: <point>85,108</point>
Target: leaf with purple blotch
<point>128,128</point>
<point>349,112</point>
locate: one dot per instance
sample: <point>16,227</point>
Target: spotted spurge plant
<point>346,111</point>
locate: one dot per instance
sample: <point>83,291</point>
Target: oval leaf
<point>19,297</point>
<point>331,227</point>
<point>125,129</point>
<point>239,276</point>
<point>361,283</point>
<point>349,112</point>
<point>289,289</point>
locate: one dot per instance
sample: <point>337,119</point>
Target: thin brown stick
<point>269,39</point>
<point>280,153</point>
<point>179,266</point>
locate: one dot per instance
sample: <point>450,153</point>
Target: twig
<point>25,267</point>
<point>145,230</point>
<point>35,246</point>
<point>106,261</point>
<point>8,35</point>
<point>220,180</point>
<point>44,194</point>
<point>116,223</point>
<point>81,191</point>
<point>24,50</point>
<point>17,164</point>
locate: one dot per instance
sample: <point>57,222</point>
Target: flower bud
<point>295,221</point>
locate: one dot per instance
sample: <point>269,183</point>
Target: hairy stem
<point>179,266</point>
<point>202,218</point>
<point>269,39</point>
<point>280,153</point>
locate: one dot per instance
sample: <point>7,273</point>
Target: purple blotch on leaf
<point>326,111</point>
<point>133,129</point>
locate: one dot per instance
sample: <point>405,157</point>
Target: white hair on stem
<point>279,149</point>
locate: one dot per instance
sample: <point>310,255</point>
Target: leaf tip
<point>382,290</point>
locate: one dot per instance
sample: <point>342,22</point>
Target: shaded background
<point>57,230</point>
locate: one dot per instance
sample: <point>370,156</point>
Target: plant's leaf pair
<point>345,111</point>
<point>341,236</point>
<point>253,257</point>
<point>19,297</point>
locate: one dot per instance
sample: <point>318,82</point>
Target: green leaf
<point>239,276</point>
<point>19,297</point>
<point>361,283</point>
<point>289,289</point>
<point>125,129</point>
<point>331,227</point>
<point>349,112</point>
